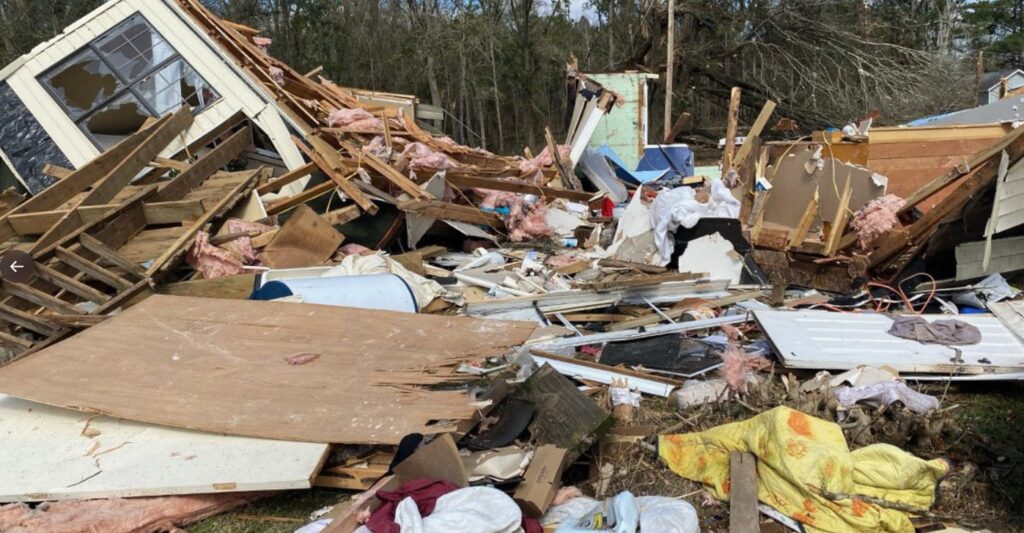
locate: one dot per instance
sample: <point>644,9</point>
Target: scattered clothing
<point>949,332</point>
<point>806,471</point>
<point>886,393</point>
<point>424,494</point>
<point>680,207</point>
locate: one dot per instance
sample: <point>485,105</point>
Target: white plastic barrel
<point>386,292</point>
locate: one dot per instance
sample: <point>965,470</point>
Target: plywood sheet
<point>223,366</point>
<point>823,340</point>
<point>59,454</point>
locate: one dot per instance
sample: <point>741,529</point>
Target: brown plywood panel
<point>222,366</point>
<point>879,151</point>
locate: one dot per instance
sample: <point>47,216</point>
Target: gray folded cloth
<point>949,332</point>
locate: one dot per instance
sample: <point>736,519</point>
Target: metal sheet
<point>1012,315</point>
<point>823,340</point>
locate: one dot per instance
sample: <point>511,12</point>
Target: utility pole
<point>670,69</point>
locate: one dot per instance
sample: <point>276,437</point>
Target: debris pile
<point>299,286</point>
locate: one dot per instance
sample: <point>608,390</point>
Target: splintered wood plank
<point>224,355</point>
<point>384,169</point>
<point>303,197</point>
<point>730,130</point>
<point>278,183</point>
<point>755,132</point>
<point>70,284</point>
<point>28,321</point>
<point>467,182</point>
<point>149,244</point>
<point>330,162</point>
<point>102,457</point>
<point>449,211</point>
<point>56,171</point>
<point>111,256</point>
<point>211,162</point>
<point>569,178</point>
<point>91,269</point>
<point>342,216</point>
<point>229,200</point>
<point>40,298</point>
<point>839,221</point>
<point>800,233</point>
<point>743,513</point>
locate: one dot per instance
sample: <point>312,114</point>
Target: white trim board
<point>58,454</point>
<point>823,340</point>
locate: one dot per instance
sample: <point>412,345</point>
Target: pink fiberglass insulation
<point>355,249</point>
<point>277,75</point>
<point>525,220</point>
<point>378,148</point>
<point>116,515</point>
<point>242,246</point>
<point>356,119</point>
<point>530,169</point>
<point>263,43</point>
<point>420,157</point>
<point>734,361</point>
<point>876,218</point>
<point>211,261</point>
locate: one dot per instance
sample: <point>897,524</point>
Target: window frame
<point>128,86</point>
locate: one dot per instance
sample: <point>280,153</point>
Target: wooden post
<point>730,130</point>
<point>670,69</point>
<point>743,514</point>
<point>979,71</point>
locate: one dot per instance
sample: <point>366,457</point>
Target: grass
<point>984,490</point>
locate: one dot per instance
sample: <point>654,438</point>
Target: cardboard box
<point>542,480</point>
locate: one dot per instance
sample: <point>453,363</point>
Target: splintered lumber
<point>229,287</point>
<point>470,182</point>
<point>755,133</point>
<point>222,366</point>
<point>389,172</point>
<point>449,211</point>
<point>743,513</point>
<point>331,164</point>
<point>569,178</point>
<point>157,461</point>
<point>278,183</point>
<point>730,130</point>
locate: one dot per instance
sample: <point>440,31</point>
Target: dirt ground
<point>982,439</point>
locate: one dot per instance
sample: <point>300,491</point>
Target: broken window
<point>119,80</point>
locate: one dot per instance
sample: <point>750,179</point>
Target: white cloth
<point>679,207</point>
<point>469,510</point>
<point>657,513</point>
<point>423,289</point>
<point>887,393</point>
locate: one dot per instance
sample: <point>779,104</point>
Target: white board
<point>48,453</point>
<point>824,340</point>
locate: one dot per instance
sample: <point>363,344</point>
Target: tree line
<point>498,66</point>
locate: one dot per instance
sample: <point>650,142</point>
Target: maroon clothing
<point>424,492</point>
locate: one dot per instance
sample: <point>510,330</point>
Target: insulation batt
<point>419,156</point>
<point>876,218</point>
<point>212,261</point>
<point>530,169</point>
<point>356,118</point>
<point>525,220</point>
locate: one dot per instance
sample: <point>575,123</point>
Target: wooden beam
<point>342,216</point>
<point>839,221</point>
<point>670,69</point>
<point>91,269</point>
<point>226,202</point>
<point>110,255</point>
<point>677,128</point>
<point>384,169</point>
<point>755,133</point>
<point>730,130</point>
<point>743,514</point>
<point>28,321</point>
<point>280,206</point>
<point>292,176</point>
<point>569,178</point>
<point>448,211</point>
<point>330,163</point>
<point>30,294</point>
<point>211,162</point>
<point>467,182</point>
<point>800,233</point>
<point>55,171</point>
<point>70,284</point>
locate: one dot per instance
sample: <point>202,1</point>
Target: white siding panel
<point>823,340</point>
